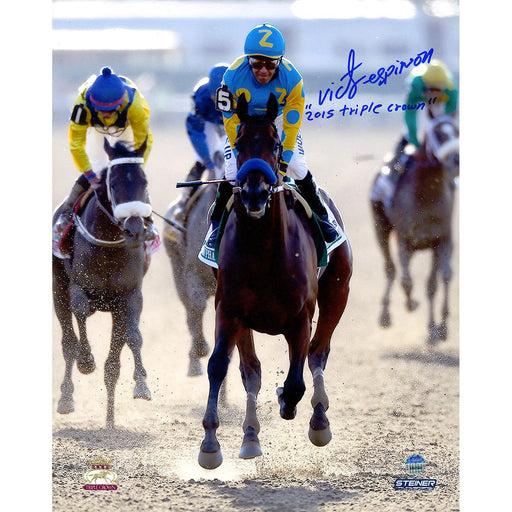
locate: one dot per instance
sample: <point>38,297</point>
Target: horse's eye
<point>264,195</point>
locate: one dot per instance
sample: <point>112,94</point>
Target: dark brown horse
<point>420,213</point>
<point>105,272</point>
<point>267,282</point>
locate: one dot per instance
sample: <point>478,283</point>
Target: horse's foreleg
<point>195,311</point>
<point>431,293</point>
<point>126,323</point>
<point>333,290</point>
<point>405,253</point>
<point>69,346</point>
<point>294,387</point>
<point>440,263</point>
<point>80,307</point>
<point>111,374</point>
<point>250,368</point>
<point>69,343</point>
<point>210,456</point>
<point>446,276</point>
<point>383,229</point>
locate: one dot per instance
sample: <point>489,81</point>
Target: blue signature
<point>349,83</point>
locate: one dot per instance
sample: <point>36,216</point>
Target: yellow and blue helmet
<point>107,92</point>
<point>265,41</point>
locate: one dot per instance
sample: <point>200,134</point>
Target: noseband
<point>130,208</point>
<point>258,164</point>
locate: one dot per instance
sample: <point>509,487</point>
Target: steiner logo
<point>415,484</point>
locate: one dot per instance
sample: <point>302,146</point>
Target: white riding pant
<point>297,169</point>
<point>215,140</point>
<point>94,146</point>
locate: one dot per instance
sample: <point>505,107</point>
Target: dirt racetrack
<point>390,396</point>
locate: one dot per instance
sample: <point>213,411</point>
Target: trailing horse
<point>267,281</point>
<point>420,213</point>
<point>195,283</point>
<point>104,273</point>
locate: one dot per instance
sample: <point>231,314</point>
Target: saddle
<point>294,200</point>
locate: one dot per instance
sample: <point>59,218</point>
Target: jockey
<point>107,106</point>
<point>262,70</point>
<point>432,84</point>
<point>205,129</point>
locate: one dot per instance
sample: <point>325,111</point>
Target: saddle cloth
<point>324,249</point>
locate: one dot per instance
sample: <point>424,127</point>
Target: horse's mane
<point>124,148</point>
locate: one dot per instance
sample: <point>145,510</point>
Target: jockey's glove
<point>283,168</point>
<point>92,178</point>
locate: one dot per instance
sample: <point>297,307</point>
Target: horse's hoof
<point>250,450</point>
<point>86,365</point>
<point>195,367</point>
<point>141,391</point>
<point>412,305</point>
<point>210,460</point>
<point>385,320</point>
<point>320,437</point>
<point>202,349</point>
<point>287,412</point>
<point>442,332</point>
<point>65,406</point>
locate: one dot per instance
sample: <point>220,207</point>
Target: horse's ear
<point>108,148</point>
<point>242,108</point>
<point>142,148</point>
<point>272,107</point>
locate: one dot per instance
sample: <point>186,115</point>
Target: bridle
<point>268,171</point>
<point>120,211</point>
<point>436,149</point>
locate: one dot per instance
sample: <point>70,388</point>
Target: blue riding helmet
<point>107,92</point>
<point>215,77</point>
<point>265,40</point>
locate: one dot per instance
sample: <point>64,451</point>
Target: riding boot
<point>309,191</point>
<point>399,149</point>
<point>224,192</point>
<point>63,223</point>
<point>68,206</point>
<point>177,212</point>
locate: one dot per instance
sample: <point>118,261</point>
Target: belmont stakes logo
<point>100,477</point>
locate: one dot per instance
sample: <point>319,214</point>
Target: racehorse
<point>195,282</point>
<point>105,272</point>
<point>420,213</point>
<point>267,282</point>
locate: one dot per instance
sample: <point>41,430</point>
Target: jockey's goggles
<point>257,64</point>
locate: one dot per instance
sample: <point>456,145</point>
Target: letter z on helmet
<point>107,92</point>
<point>266,41</point>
